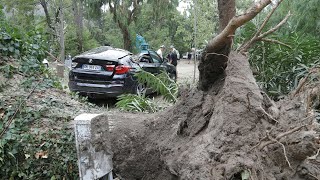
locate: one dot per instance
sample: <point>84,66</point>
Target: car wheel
<point>140,89</point>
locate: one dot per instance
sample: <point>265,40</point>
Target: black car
<point>109,72</point>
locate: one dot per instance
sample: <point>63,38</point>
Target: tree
<point>78,19</point>
<point>124,13</point>
<point>221,131</point>
<point>227,10</point>
<point>215,57</point>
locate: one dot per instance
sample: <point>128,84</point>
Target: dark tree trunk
<point>78,19</point>
<point>215,56</point>
<point>127,45</point>
<point>46,12</point>
<point>214,59</point>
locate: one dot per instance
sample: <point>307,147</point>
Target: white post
<point>93,146</point>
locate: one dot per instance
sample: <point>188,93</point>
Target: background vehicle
<point>109,72</point>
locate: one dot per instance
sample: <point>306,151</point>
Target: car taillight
<point>121,69</point>
<point>109,67</point>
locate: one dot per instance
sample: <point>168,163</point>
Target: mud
<point>230,130</point>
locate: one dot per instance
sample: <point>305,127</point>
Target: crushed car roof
<point>105,52</point>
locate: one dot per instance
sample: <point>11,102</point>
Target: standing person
<point>161,51</point>
<point>189,57</point>
<point>173,56</point>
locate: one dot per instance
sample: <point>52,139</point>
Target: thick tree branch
<point>46,12</point>
<point>217,42</point>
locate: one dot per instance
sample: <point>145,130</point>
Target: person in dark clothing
<point>189,57</point>
<point>173,57</point>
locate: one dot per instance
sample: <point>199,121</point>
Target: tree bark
<point>227,11</point>
<point>61,32</point>
<point>78,19</point>
<point>126,36</point>
<point>46,12</point>
<point>124,24</point>
<point>215,56</point>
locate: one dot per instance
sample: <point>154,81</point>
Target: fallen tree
<point>226,129</point>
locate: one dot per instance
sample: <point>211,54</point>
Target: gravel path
<point>186,71</point>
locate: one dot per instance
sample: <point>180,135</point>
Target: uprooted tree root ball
<point>229,132</point>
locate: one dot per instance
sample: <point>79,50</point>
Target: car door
<point>157,62</point>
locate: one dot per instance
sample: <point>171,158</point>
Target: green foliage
<point>136,103</point>
<point>160,83</point>
<point>71,41</point>
<point>78,97</point>
<point>9,42</point>
<point>280,68</point>
<point>30,149</point>
<point>305,16</point>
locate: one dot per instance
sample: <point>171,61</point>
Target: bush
<point>29,147</point>
<point>280,68</point>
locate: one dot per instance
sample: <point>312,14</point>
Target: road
<point>185,71</point>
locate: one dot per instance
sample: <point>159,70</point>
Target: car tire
<point>140,89</point>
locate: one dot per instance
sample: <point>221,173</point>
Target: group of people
<point>173,55</point>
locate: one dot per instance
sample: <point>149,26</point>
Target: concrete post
<point>93,146</point>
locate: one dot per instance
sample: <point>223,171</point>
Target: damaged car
<point>109,72</point>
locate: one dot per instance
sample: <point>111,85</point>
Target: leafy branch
<point>161,83</point>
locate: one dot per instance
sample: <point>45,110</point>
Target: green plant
<point>31,148</point>
<point>136,103</point>
<point>78,97</point>
<point>160,83</point>
<point>280,68</point>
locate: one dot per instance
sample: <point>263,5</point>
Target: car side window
<point>155,57</point>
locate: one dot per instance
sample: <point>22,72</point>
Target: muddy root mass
<point>230,130</point>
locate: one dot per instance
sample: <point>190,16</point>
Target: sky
<point>183,6</point>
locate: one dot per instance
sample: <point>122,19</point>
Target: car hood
<point>105,53</point>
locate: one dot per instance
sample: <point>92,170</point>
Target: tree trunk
<point>46,12</point>
<point>215,56</point>
<point>227,10</point>
<point>127,45</point>
<point>214,60</point>
<point>78,19</point>
<point>61,32</point>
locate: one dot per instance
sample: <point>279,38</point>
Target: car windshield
<point>155,58</point>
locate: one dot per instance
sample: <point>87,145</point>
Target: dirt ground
<point>186,70</point>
